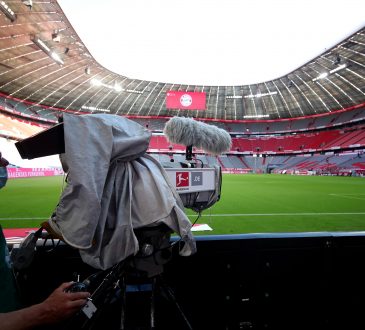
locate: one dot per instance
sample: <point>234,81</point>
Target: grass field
<point>249,204</point>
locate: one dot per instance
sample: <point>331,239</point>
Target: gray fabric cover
<point>113,186</point>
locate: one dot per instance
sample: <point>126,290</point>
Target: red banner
<point>186,100</point>
<point>16,172</point>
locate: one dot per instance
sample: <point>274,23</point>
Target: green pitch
<point>249,204</point>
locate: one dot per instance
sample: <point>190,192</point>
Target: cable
<point>179,240</point>
<point>202,164</point>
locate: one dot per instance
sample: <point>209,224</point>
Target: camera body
<point>198,187</point>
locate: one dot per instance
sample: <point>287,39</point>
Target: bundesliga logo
<point>182,179</point>
<point>186,100</point>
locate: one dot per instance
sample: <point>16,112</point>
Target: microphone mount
<point>189,153</point>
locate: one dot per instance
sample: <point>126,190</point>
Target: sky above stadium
<point>211,42</point>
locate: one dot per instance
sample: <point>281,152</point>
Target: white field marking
<point>44,218</point>
<point>278,214</point>
<point>240,215</point>
<point>350,196</point>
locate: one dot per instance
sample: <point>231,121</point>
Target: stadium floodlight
<point>256,116</point>
<point>326,74</point>
<point>116,87</point>
<point>43,46</point>
<point>250,96</point>
<point>234,97</point>
<point>90,108</point>
<point>9,13</point>
<point>56,57</point>
<point>96,82</point>
<point>28,3</point>
<point>133,91</point>
<point>321,76</point>
<point>340,67</point>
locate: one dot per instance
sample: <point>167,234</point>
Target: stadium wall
<point>255,281</point>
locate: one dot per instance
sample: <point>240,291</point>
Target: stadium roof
<point>210,42</point>
<point>43,60</point>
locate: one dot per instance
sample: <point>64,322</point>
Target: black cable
<point>202,164</point>
<point>178,241</point>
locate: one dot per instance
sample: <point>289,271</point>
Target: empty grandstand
<point>308,122</point>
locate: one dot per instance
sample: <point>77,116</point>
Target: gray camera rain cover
<point>113,187</point>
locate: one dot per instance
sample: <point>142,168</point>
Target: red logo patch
<point>182,179</point>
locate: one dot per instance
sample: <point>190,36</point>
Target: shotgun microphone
<point>189,132</point>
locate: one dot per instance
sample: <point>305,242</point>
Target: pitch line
<point>350,196</point>
<point>235,215</point>
<point>278,214</point>
<point>17,218</point>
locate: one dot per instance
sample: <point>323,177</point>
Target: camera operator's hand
<point>59,306</point>
<point>3,161</point>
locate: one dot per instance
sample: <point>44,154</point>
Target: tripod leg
<point>170,295</point>
<point>152,309</point>
<point>123,303</point>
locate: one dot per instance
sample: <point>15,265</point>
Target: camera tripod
<point>149,289</point>
<point>124,286</point>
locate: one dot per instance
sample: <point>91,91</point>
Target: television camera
<point>197,185</point>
